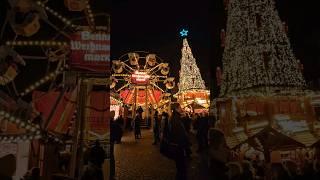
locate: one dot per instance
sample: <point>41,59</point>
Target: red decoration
<point>90,51</point>
<point>219,76</point>
<point>223,38</point>
<point>154,96</point>
<point>285,27</point>
<point>98,116</point>
<point>225,3</point>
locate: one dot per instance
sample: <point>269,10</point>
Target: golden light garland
<point>257,59</point>
<point>56,14</point>
<point>36,43</point>
<point>89,13</point>
<point>18,121</point>
<point>43,80</point>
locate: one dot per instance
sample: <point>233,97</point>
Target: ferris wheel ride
<point>141,79</point>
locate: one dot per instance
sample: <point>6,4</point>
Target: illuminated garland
<point>56,14</point>
<point>257,58</point>
<point>36,43</point>
<point>189,77</point>
<point>43,80</point>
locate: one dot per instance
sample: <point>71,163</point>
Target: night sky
<point>154,26</point>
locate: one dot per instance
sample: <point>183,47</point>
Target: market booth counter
<point>242,119</point>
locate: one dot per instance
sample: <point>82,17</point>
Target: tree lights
<point>257,58</point>
<point>191,85</point>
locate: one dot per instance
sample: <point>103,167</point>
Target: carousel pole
<point>77,139</point>
<point>146,104</point>
<point>135,102</point>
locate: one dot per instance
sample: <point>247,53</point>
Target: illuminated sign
<point>141,78</point>
<point>90,51</point>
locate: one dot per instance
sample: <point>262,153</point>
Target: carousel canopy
<point>59,110</point>
<point>153,96</point>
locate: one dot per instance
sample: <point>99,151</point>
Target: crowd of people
<point>216,160</point>
<point>173,132</point>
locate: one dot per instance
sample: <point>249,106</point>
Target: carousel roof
<point>154,96</point>
<point>63,105</point>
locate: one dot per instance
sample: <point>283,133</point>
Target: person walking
<point>120,124</point>
<point>202,132</point>
<point>176,134</point>
<point>96,159</point>
<point>112,142</point>
<point>219,155</point>
<point>137,125</point>
<point>156,128</point>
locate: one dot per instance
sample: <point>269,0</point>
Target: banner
<point>90,51</point>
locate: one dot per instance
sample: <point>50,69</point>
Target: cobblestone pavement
<point>137,160</point>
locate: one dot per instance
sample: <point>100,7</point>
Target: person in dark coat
<point>120,124</point>
<point>186,121</point>
<point>219,155</point>
<point>179,136</point>
<point>96,158</point>
<point>202,132</point>
<point>156,128</point>
<point>112,141</point>
<point>163,124</point>
<point>137,125</point>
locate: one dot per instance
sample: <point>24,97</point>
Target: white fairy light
<point>257,59</point>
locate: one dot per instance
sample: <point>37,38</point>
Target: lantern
<point>8,68</point>
<point>165,69</point>
<point>27,25</point>
<point>151,59</point>
<point>75,5</point>
<point>117,66</point>
<point>169,82</point>
<point>133,58</point>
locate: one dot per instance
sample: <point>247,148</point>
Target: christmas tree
<point>189,77</point>
<point>257,59</point>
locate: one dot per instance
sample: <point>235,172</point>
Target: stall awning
<point>236,139</point>
<point>305,137</point>
<point>59,106</point>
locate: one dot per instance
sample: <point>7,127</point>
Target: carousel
<point>42,68</point>
<point>142,81</point>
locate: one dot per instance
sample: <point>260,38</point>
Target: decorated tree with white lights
<point>192,91</point>
<point>189,77</point>
<point>257,59</point>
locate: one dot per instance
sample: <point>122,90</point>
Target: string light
<point>56,14</point>
<point>190,80</point>
<point>36,43</point>
<point>257,59</point>
<point>43,80</point>
<point>89,13</point>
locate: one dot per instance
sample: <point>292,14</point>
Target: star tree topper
<point>184,33</point>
